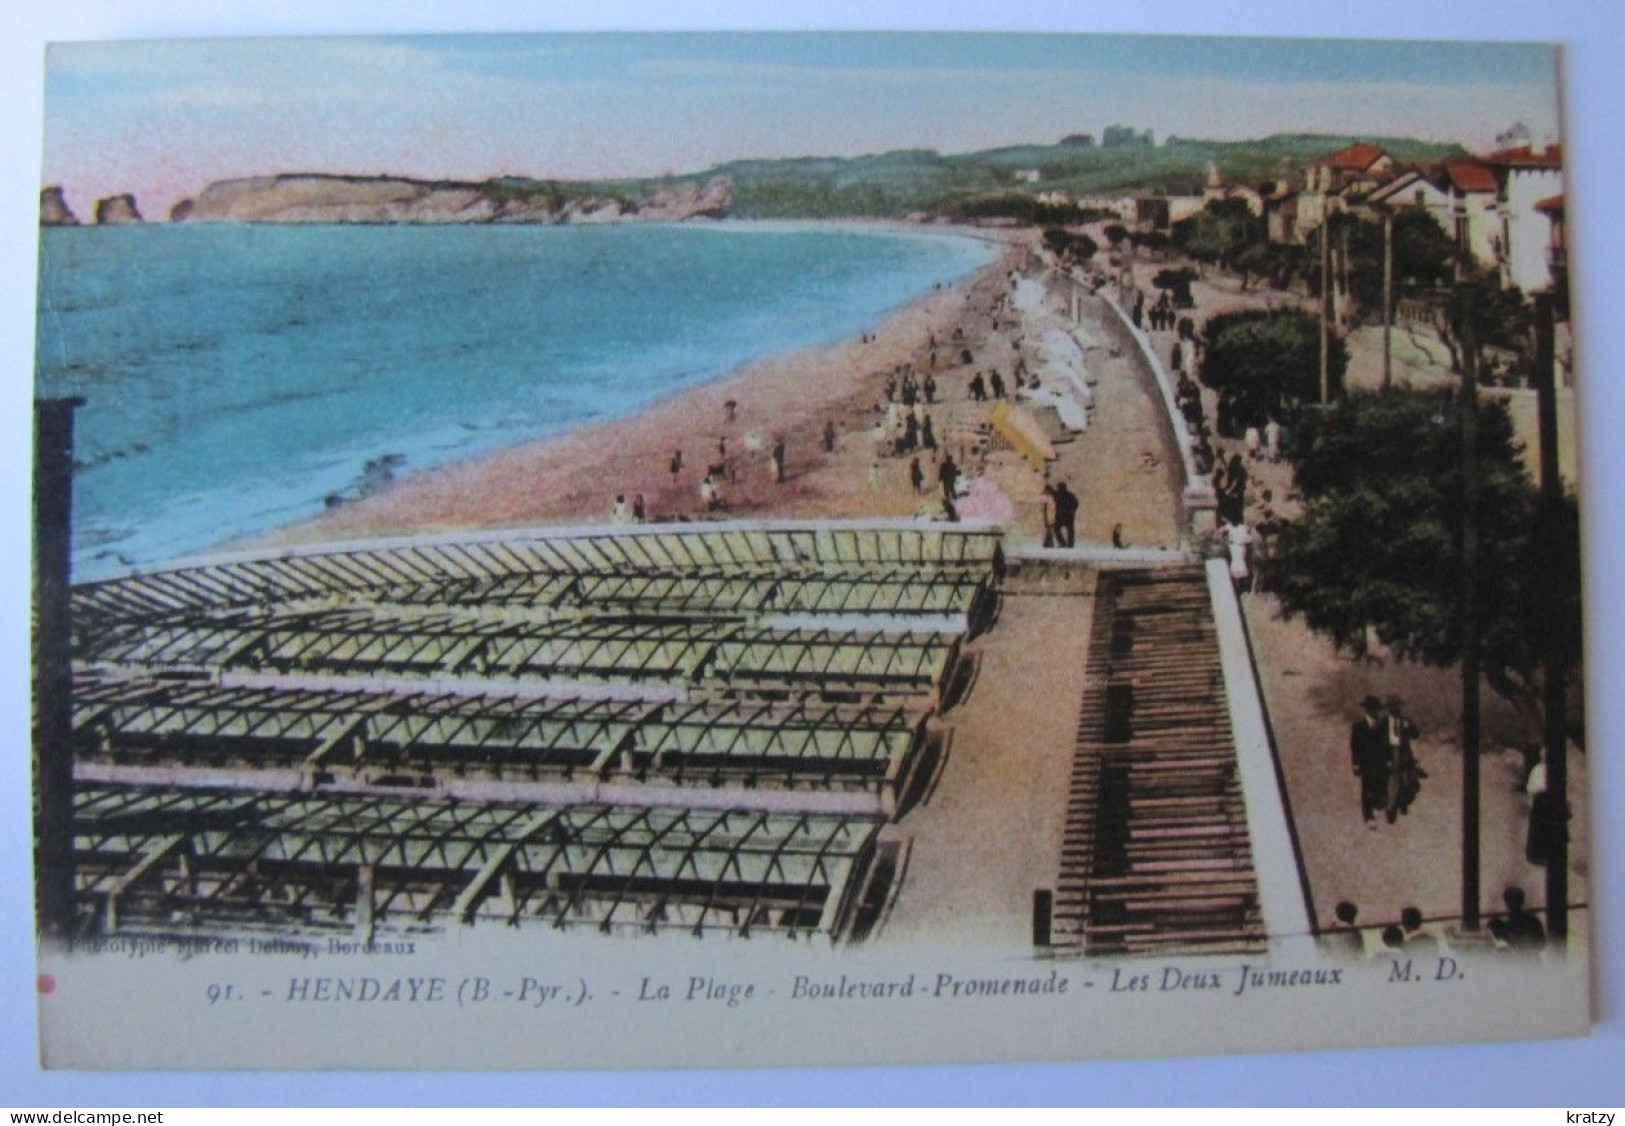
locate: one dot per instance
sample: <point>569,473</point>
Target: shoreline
<point>575,476</point>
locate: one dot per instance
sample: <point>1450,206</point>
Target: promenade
<point>1313,694</point>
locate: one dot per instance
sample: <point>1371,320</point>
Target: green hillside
<point>893,184</point>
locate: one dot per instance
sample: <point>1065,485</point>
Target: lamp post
<point>1325,306</point>
<point>1469,622</point>
<point>1387,299</point>
<point>1553,662</point>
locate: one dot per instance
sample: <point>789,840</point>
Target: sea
<point>239,377</point>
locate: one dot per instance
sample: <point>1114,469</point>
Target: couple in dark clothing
<point>1060,516</point>
<point>1384,761</point>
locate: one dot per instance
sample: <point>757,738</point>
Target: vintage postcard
<point>768,549</point>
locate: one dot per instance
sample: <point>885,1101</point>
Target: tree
<point>1070,246</point>
<point>1178,283</point>
<point>1266,363</point>
<point>1079,140</point>
<point>1424,256</point>
<point>1377,549</point>
<point>1478,312</point>
<point>1126,136</point>
<point>1219,232</point>
<point>1155,241</point>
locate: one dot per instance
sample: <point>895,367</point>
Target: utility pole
<point>1469,622</point>
<point>1325,307</point>
<point>53,668</point>
<point>1553,661</point>
<point>1387,300</point>
<point>1343,271</point>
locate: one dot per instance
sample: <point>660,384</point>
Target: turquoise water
<point>237,375</point>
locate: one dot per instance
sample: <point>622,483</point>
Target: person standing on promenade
<point>1240,538</point>
<point>1233,499</point>
<point>619,514</point>
<point>1345,938</point>
<point>1368,755</point>
<point>1404,775</point>
<point>639,511</point>
<point>1049,515</point>
<point>930,385</point>
<point>978,389</point>
<point>1066,515</point>
<point>916,475</point>
<point>928,436</point>
<point>998,384</point>
<point>1518,929</point>
<point>1417,939</point>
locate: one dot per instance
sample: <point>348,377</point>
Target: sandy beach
<point>576,477</point>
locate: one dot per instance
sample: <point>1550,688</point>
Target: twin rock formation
<point>316,198</point>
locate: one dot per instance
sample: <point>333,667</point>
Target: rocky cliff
<point>313,198</point>
<point>117,210</point>
<point>54,210</point>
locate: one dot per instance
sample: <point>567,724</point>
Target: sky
<point>164,119</point>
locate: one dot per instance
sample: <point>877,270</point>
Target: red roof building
<point>1526,156</point>
<point>1470,176</point>
<point>1356,158</point>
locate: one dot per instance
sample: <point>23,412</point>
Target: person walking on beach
<point>619,514</point>
<point>676,465</point>
<point>928,437</point>
<point>639,512</point>
<point>930,384</point>
<point>1066,515</point>
<point>998,384</point>
<point>1049,515</point>
<point>710,492</point>
<point>778,461</point>
<point>829,436</point>
<point>916,475</point>
<point>1368,757</point>
<point>978,389</point>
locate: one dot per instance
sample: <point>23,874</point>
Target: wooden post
<point>1554,663</point>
